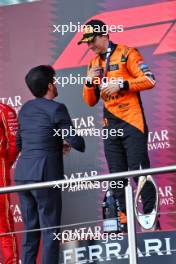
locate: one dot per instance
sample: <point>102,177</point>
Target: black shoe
<point>124,228</point>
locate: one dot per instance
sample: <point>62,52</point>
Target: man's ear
<point>50,86</point>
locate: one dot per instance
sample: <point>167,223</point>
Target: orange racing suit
<point>8,154</point>
<point>124,110</point>
<point>126,63</point>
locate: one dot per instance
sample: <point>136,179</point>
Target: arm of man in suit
<point>63,121</point>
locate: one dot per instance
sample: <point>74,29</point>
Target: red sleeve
<point>10,123</point>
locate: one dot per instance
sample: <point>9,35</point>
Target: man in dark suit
<point>42,160</point>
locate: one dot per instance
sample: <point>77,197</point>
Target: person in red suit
<point>8,154</point>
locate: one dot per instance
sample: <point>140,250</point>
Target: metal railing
<point>128,192</point>
<point>121,175</point>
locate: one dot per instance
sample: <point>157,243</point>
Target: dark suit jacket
<point>41,152</point>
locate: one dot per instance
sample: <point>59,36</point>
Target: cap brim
<point>86,40</point>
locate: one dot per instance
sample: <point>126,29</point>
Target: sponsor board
<point>13,101</point>
<point>158,140</point>
<point>151,247</point>
<point>16,213</point>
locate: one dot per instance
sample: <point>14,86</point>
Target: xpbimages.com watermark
<point>78,27</point>
<point>86,234</point>
<point>62,81</point>
<point>104,133</point>
<point>87,185</point>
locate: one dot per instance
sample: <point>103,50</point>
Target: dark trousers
<point>40,209</point>
<point>129,152</point>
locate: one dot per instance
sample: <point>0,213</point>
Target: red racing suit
<point>8,154</point>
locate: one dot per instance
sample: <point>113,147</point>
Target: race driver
<point>117,74</point>
<point>8,154</point>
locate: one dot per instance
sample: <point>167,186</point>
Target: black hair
<point>38,78</point>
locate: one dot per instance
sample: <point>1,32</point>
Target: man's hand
<point>66,148</point>
<point>109,89</point>
<point>93,72</point>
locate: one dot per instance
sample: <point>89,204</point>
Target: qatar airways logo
<point>14,102</point>
<point>81,175</point>
<point>83,128</point>
<point>16,213</point>
<point>81,122</point>
<point>84,125</point>
<point>166,196</point>
<point>158,140</point>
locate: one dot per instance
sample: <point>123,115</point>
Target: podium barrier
<point>133,259</point>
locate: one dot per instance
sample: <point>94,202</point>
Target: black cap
<point>92,29</point>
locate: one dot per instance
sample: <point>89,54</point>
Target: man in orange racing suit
<point>117,74</point>
<point>8,154</point>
